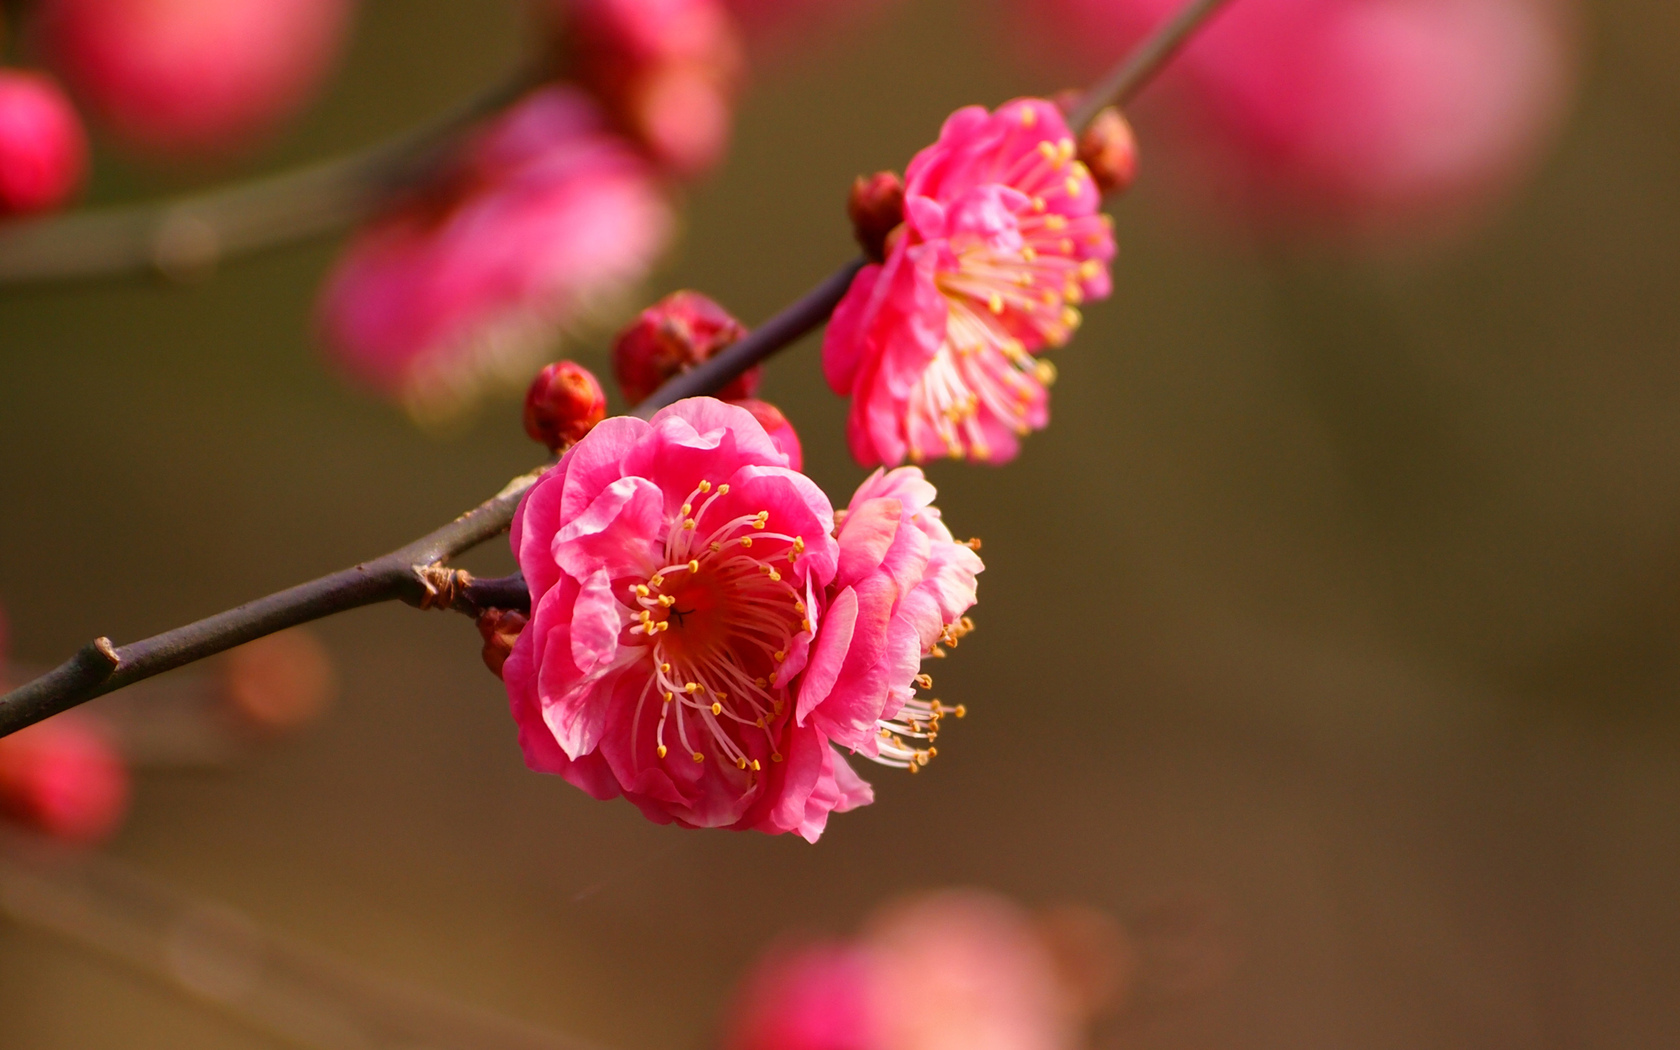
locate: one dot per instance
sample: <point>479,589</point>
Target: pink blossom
<point>781,432</point>
<point>43,151</point>
<point>677,653</point>
<point>953,970</point>
<point>65,778</point>
<point>1362,115</point>
<point>1001,240</point>
<point>192,76</point>
<point>546,216</point>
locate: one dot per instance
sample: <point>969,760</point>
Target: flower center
<point>720,619</point>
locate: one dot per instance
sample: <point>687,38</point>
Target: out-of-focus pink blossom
<point>955,970</point>
<point>43,151</point>
<point>667,69</point>
<point>775,424</point>
<point>546,217</point>
<point>193,76</point>
<point>1001,239</point>
<point>65,778</point>
<point>698,637</point>
<point>672,336</point>
<point>1344,115</point>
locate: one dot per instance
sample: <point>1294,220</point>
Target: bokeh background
<point>1342,593</point>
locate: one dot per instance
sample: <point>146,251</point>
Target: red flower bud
<point>500,629</point>
<point>564,403</point>
<point>1109,148</point>
<point>877,208</point>
<point>64,778</point>
<point>43,150</point>
<point>671,337</point>
<point>781,432</point>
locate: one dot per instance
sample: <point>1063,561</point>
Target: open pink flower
<point>1363,116</point>
<point>1001,240</point>
<point>546,215</point>
<point>192,75</point>
<point>680,575</point>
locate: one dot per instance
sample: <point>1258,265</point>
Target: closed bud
<point>500,629</point>
<point>876,207</point>
<point>672,336</point>
<point>564,403</point>
<point>1108,147</point>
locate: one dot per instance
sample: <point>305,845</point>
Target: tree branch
<point>190,235</point>
<point>1138,68</point>
<point>412,574</point>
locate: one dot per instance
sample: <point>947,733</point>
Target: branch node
<point>442,585</point>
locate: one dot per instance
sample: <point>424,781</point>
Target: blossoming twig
<point>411,573</point>
<point>188,235</point>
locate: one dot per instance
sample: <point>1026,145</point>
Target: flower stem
<point>188,236</point>
<point>405,574</point>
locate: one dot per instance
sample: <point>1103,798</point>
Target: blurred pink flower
<point>65,778</point>
<point>954,970</point>
<point>667,69</point>
<point>1377,116</point>
<point>1001,239</point>
<point>546,217</point>
<point>193,76</point>
<point>43,151</point>
<point>672,336</point>
<point>677,571</point>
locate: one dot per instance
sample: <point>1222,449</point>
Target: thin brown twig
<point>409,574</point>
<point>188,236</point>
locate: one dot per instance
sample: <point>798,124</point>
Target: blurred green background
<point>1346,594</point>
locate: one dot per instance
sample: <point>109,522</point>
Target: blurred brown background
<point>1344,594</point>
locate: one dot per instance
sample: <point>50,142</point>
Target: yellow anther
<point>1072,318</point>
<point>1073,293</point>
<point>667,601</point>
<point>799,607</point>
<point>664,668</point>
<point>662,751</point>
<point>1047,150</point>
<point>914,768</point>
<point>799,547</point>
<point>1029,253</point>
<point>717,708</point>
<point>1039,204</point>
<point>698,757</point>
<point>780,655</point>
<point>994,303</point>
<point>804,625</point>
<point>937,653</point>
<point>1065,147</point>
<point>1045,372</point>
<point>962,711</point>
<point>762,519</point>
<point>716,546</point>
<point>691,688</point>
<point>760,722</point>
<point>669,696</point>
<point>740,763</point>
<point>704,486</point>
<point>756,766</point>
<point>1074,186</point>
<point>775,756</point>
<point>688,508</point>
<point>1055,222</point>
<point>746,541</point>
<point>762,683</point>
<point>1028,117</point>
<point>720,696</point>
<point>776,576</point>
<point>925,681</point>
<point>657,580</point>
<point>973,543</point>
<point>1089,269</point>
<point>1050,298</point>
<point>642,591</point>
<point>694,565</point>
<point>723,490</point>
<point>688,525</point>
